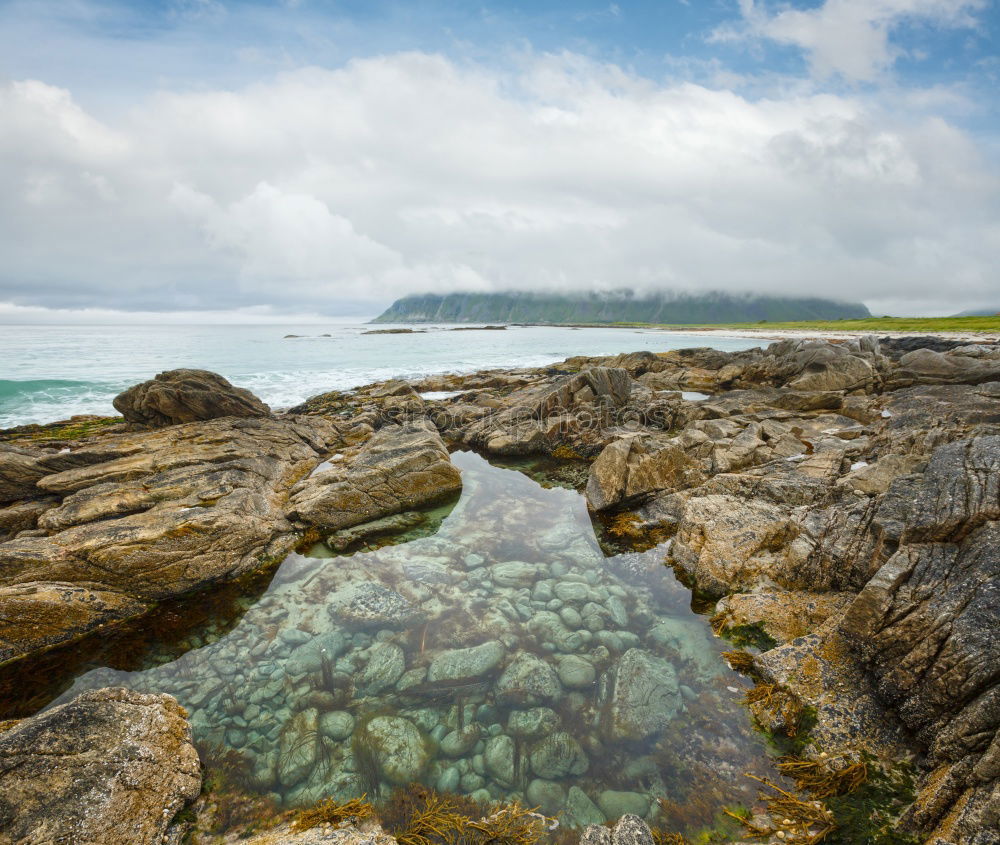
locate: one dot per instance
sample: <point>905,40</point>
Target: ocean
<point>50,373</point>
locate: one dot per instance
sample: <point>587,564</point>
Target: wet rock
<point>386,665</point>
<point>527,680</point>
<point>309,656</point>
<point>877,477</point>
<point>298,747</point>
<point>533,722</point>
<point>111,767</point>
<point>20,470</point>
<point>369,833</point>
<point>730,544</point>
<point>398,748</point>
<point>580,810</point>
<point>474,662</point>
<point>638,466</point>
<point>615,804</point>
<point>336,724</point>
<point>558,755</point>
<point>817,669</point>
<point>499,759</point>
<point>37,616</point>
<point>645,697</point>
<point>784,616</point>
<point>459,743</point>
<point>370,605</point>
<point>925,627</point>
<point>631,830</point>
<point>22,517</point>
<point>400,468</point>
<point>547,795</point>
<point>596,834</point>
<point>181,396</point>
<point>576,672</point>
<point>516,573</point>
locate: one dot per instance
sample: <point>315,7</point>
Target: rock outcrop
<point>182,396</point>
<point>112,767</point>
<point>140,517</point>
<point>927,629</point>
<point>843,496</point>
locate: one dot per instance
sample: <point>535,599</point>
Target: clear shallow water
<point>49,373</point>
<point>503,657</point>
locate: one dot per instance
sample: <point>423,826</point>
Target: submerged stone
<point>471,662</point>
<point>370,605</point>
<point>297,747</point>
<point>398,748</point>
<point>337,724</point>
<point>385,666</point>
<point>527,680</point>
<point>558,755</point>
<point>547,795</point>
<point>449,780</point>
<point>576,672</point>
<point>459,743</point>
<point>645,698</point>
<point>533,722</point>
<point>615,804</point>
<point>516,573</point>
<point>631,830</point>
<point>499,759</point>
<point>580,810</point>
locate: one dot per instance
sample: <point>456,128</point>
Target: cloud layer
<point>850,38</point>
<point>341,189</point>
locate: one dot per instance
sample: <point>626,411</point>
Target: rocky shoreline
<point>842,498</point>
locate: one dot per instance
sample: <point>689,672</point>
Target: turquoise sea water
<point>49,373</point>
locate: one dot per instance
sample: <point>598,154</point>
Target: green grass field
<point>912,325</point>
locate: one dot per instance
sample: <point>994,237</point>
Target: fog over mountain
<point>309,163</point>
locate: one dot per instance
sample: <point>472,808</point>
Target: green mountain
<point>619,307</point>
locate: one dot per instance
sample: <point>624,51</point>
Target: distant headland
<point>617,307</point>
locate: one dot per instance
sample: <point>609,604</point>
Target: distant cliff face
<point>613,308</point>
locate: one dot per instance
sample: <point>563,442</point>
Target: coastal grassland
<point>920,325</point>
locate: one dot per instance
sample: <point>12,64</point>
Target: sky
<point>258,159</point>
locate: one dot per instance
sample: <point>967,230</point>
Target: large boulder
<point>810,366</point>
<point>400,468</point>
<point>925,366</point>
<point>728,543</point>
<point>180,396</point>
<point>111,767</point>
<point>638,466</point>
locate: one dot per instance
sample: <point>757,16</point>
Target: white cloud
<point>851,38</point>
<point>409,173</point>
